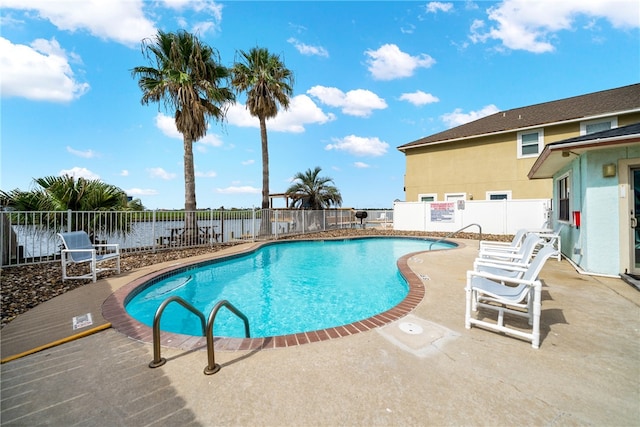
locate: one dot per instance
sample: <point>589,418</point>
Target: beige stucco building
<point>490,158</point>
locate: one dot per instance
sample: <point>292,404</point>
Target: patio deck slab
<point>585,372</point>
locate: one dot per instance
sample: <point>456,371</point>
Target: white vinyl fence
<point>494,216</point>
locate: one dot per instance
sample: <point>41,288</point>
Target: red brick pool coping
<point>113,311</point>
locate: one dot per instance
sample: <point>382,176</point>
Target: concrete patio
<point>425,369</point>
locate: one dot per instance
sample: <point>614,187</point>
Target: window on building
<point>431,197</point>
<point>530,143</point>
<point>498,195</point>
<point>564,192</point>
<point>594,126</point>
<point>455,196</point>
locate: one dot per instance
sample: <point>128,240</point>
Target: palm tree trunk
<point>190,224</point>
<point>265,222</point>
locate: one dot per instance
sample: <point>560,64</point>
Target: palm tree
<point>267,83</point>
<point>186,76</point>
<point>312,191</point>
<point>63,193</point>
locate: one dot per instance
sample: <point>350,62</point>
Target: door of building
<point>634,201</point>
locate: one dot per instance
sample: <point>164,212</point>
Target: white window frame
<point>612,120</point>
<point>455,196</point>
<point>492,193</point>
<point>434,195</point>
<point>566,176</point>
<point>540,133</point>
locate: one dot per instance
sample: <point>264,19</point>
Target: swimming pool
<point>285,287</point>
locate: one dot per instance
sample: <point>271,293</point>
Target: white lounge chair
<point>554,239</point>
<point>78,249</point>
<point>513,253</point>
<point>516,296</point>
<point>515,268</point>
<point>513,244</point>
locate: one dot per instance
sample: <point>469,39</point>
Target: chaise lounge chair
<point>516,296</point>
<point>515,243</point>
<point>516,268</point>
<point>78,249</point>
<point>513,254</point>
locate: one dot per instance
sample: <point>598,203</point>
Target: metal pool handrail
<point>213,367</point>
<point>456,232</point>
<point>157,360</point>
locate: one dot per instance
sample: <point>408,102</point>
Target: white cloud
<point>419,98</point>
<point>124,172</point>
<point>141,192</point>
<point>248,162</point>
<point>436,6</point>
<point>122,21</point>
<point>389,62</point>
<point>208,174</point>
<point>457,117</point>
<point>40,72</point>
<point>358,102</point>
<point>239,190</point>
<point>528,25</point>
<point>361,165</point>
<point>78,172</point>
<point>302,110</point>
<point>209,140</point>
<point>359,146</point>
<point>306,49</point>
<point>161,173</point>
<point>167,126</point>
<point>86,154</point>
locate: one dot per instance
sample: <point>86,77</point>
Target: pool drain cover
<point>410,328</point>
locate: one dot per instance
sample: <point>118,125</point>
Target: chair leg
<point>94,267</point>
<point>537,310</point>
<point>467,315</point>
<point>64,267</point>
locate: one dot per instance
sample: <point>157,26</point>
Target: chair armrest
<point>500,254</point>
<point>492,243</point>
<point>107,245</point>
<point>501,248</point>
<point>505,265</point>
<point>503,279</point>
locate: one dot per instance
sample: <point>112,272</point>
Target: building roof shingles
<point>593,104</point>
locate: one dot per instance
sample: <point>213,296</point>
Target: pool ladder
<point>207,330</point>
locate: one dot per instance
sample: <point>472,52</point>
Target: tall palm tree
<point>267,83</point>
<point>312,191</point>
<point>186,76</point>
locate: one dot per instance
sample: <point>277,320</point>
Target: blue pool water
<point>286,288</point>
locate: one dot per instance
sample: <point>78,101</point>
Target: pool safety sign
<point>442,212</point>
<point>82,321</point>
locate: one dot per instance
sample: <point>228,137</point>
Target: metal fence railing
<point>31,237</point>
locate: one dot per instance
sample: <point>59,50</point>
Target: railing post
<point>153,230</point>
<point>276,221</point>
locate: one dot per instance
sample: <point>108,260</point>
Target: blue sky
<point>369,77</point>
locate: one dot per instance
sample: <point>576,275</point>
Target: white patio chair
<point>78,249</point>
<point>515,268</point>
<point>513,254</point>
<point>517,296</point>
<point>554,239</point>
<point>509,246</point>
